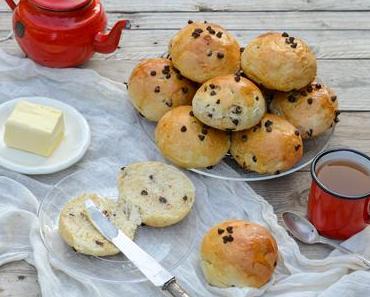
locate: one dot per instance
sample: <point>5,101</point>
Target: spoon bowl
<point>301,228</point>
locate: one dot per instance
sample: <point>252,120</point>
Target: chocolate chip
<point>195,34</point>
<point>297,147</point>
<point>210,30</point>
<point>21,277</point>
<point>237,110</point>
<point>277,172</point>
<point>268,123</point>
<point>254,159</point>
<point>257,98</point>
<point>179,76</point>
<point>285,34</point>
<point>168,76</point>
<point>190,22</point>
<point>229,229</point>
<point>144,192</point>
<point>198,30</point>
<point>318,86</point>
<point>185,198</point>
<point>293,45</point>
<point>296,132</point>
<point>166,68</point>
<point>123,168</point>
<point>303,93</point>
<point>309,132</point>
<point>205,22</point>
<point>212,86</point>
<point>204,131</point>
<point>242,49</point>
<point>309,89</point>
<point>213,93</point>
<point>191,113</point>
<point>210,115</point>
<point>291,98</point>
<point>209,54</point>
<point>220,55</point>
<point>218,101</point>
<point>185,90</point>
<point>153,73</point>
<point>237,78</point>
<point>157,89</point>
<point>287,40</point>
<point>151,177</point>
<point>209,167</point>
<point>183,129</point>
<point>235,122</point>
<point>269,129</point>
<point>219,34</point>
<point>309,100</point>
<point>126,85</point>
<point>169,103</point>
<point>333,98</point>
<point>201,137</point>
<point>220,231</point>
<point>227,238</point>
<point>291,39</point>
<point>244,137</point>
<point>99,243</point>
<point>162,199</point>
<point>71,214</point>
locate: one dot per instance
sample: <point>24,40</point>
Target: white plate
<point>71,150</point>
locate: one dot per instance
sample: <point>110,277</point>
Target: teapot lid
<point>61,5</point>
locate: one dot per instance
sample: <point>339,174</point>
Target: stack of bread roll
<point>209,98</point>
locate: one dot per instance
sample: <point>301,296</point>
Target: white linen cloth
<point>118,139</point>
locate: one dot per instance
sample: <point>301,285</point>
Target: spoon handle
<point>345,250</point>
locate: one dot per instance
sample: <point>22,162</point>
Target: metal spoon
<point>304,231</point>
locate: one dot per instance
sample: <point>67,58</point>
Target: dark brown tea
<point>344,177</point>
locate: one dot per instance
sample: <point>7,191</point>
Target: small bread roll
<point>156,87</point>
<point>162,193</point>
<point>279,62</point>
<point>203,51</point>
<point>188,143</point>
<point>238,253</point>
<point>272,146</point>
<point>229,102</point>
<point>78,232</point>
<point>313,109</point>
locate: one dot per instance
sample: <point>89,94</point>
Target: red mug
<point>333,214</point>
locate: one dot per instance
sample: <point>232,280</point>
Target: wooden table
<point>337,30</point>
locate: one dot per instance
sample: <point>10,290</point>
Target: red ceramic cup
<point>334,215</point>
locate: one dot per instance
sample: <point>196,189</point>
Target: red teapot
<point>63,33</point>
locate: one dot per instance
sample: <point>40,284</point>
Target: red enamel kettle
<point>63,33</point>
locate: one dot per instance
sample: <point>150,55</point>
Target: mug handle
<point>11,4</point>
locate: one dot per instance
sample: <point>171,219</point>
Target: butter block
<point>34,128</point>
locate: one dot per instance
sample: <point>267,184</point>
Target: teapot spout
<point>106,43</point>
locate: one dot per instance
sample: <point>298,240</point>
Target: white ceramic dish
<point>71,150</point>
<point>228,169</point>
<point>169,246</point>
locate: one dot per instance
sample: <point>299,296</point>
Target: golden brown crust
<point>313,109</point>
<point>238,253</point>
<point>156,87</point>
<point>270,147</point>
<point>203,51</point>
<point>229,102</point>
<point>188,143</point>
<point>279,62</point>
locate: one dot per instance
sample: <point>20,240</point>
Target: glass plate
<point>169,246</point>
<point>228,169</point>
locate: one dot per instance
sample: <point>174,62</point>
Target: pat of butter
<point>34,128</point>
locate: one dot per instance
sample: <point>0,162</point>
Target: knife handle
<point>175,289</point>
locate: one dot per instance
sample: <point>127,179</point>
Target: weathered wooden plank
<point>18,279</point>
<point>295,20</point>
<point>229,5</point>
<point>138,44</point>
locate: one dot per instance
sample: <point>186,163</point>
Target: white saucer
<point>71,150</point>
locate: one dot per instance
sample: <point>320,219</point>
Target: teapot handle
<point>11,4</point>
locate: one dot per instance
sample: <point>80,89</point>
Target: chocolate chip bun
<point>188,143</point>
<point>78,232</point>
<point>202,51</point>
<point>313,109</point>
<point>238,253</point>
<point>156,87</point>
<point>274,145</point>
<point>229,102</point>
<point>279,62</point>
<point>163,194</point>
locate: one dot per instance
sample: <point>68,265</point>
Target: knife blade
<point>152,270</point>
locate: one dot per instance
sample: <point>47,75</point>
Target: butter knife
<point>148,266</point>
